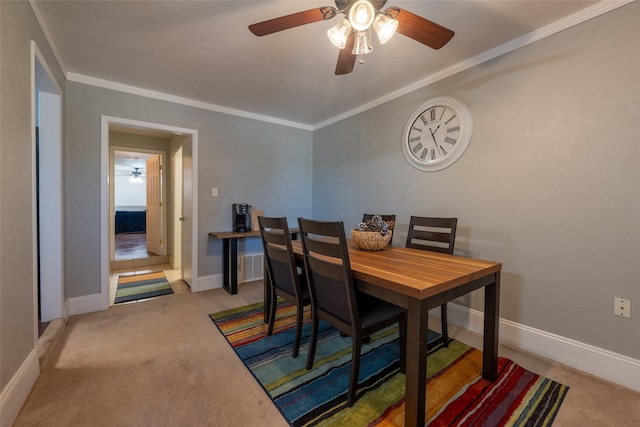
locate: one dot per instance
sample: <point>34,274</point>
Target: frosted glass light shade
<point>361,15</point>
<point>362,44</point>
<point>338,33</point>
<point>385,27</point>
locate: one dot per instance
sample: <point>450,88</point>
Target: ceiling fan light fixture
<point>362,43</point>
<point>361,15</point>
<point>384,27</point>
<point>135,176</point>
<point>339,33</point>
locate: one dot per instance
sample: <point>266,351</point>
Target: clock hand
<point>434,139</point>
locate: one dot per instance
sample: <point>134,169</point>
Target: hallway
<point>131,257</point>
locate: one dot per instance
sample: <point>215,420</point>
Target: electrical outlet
<point>214,192</point>
<point>622,307</point>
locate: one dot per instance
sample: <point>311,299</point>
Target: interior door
<point>177,210</point>
<point>187,212</point>
<point>154,205</point>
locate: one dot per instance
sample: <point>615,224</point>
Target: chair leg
<point>355,368</point>
<point>312,342</point>
<point>272,313</point>
<point>296,343</point>
<point>403,345</point>
<point>365,340</point>
<point>443,320</point>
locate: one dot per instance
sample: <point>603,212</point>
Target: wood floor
<point>131,246</point>
<point>131,257</point>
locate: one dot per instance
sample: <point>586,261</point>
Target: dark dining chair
<point>368,217</point>
<point>334,298</point>
<point>386,218</point>
<point>436,235</point>
<point>283,279</point>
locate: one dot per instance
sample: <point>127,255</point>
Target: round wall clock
<point>437,134</point>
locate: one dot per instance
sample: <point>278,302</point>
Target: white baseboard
<point>16,392</point>
<point>95,302</point>
<point>86,304</point>
<point>602,363</point>
<point>205,283</point>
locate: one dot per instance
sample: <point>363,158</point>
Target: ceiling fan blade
<point>346,59</point>
<point>420,29</point>
<point>293,20</point>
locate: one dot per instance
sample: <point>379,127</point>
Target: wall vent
<point>250,267</point>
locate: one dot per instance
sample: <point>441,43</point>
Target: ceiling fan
<point>352,34</point>
<point>136,175</point>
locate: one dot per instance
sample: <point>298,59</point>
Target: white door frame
<point>106,122</point>
<point>45,86</point>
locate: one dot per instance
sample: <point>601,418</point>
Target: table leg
<point>491,323</point>
<point>230,265</point>
<point>416,372</point>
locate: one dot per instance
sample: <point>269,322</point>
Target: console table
<point>230,255</point>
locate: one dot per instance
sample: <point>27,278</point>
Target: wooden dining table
<point>419,280</point>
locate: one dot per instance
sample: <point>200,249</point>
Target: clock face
<point>437,134</point>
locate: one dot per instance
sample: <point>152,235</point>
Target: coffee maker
<point>241,217</point>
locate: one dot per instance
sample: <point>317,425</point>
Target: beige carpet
<point>162,362</point>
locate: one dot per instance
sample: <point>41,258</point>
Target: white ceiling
<point>125,162</point>
<point>203,51</point>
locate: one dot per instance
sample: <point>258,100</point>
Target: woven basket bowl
<point>370,240</point>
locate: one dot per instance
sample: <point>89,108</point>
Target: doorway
<point>107,210</point>
<point>139,203</point>
<point>47,218</point>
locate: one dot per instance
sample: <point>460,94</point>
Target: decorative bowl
<point>370,240</point>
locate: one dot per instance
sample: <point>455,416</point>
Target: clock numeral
<point>433,154</point>
<point>450,140</point>
<point>415,128</point>
<point>444,110</point>
<point>424,154</point>
<point>444,152</point>
<point>450,118</point>
<point>424,121</point>
<point>417,148</point>
<point>453,129</point>
<point>433,114</point>
<point>414,139</point>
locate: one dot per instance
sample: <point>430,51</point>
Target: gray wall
<point>18,27</point>
<point>550,184</point>
<point>266,165</point>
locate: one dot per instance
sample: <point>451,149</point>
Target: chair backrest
<point>432,234</point>
<point>279,256</point>
<point>386,218</point>
<point>326,260</point>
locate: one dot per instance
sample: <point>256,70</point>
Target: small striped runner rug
<point>141,286</point>
<point>456,393</point>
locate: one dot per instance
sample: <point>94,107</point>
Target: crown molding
<point>48,36</point>
<point>106,84</point>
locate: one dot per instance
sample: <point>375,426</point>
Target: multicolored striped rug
<point>141,286</point>
<point>456,393</point>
